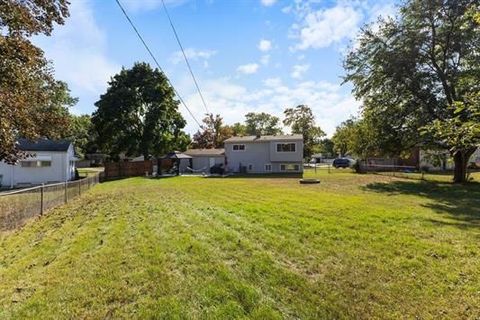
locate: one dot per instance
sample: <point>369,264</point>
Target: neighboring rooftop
<point>205,152</point>
<point>43,145</point>
<point>290,137</point>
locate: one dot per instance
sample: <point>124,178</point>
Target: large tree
<point>212,133</point>
<point>302,121</point>
<point>262,123</point>
<point>81,134</point>
<point>138,115</point>
<point>355,137</point>
<point>32,103</point>
<point>413,70</point>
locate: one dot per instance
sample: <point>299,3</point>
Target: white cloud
<point>330,103</point>
<point>299,70</point>
<point>268,3</point>
<point>249,68</point>
<point>319,27</point>
<point>265,45</point>
<point>192,54</point>
<point>324,27</point>
<point>79,55</point>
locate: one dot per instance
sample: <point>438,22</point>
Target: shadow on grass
<point>458,202</point>
<point>261,176</point>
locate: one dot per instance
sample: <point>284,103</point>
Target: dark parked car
<point>341,163</point>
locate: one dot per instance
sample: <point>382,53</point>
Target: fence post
<point>66,191</point>
<point>41,199</point>
<point>79,187</point>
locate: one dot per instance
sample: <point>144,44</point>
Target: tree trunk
<point>460,159</point>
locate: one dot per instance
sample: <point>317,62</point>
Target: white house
<point>49,162</point>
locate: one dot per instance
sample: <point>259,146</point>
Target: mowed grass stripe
<point>234,248</point>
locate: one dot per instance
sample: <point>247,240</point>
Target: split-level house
<point>264,154</point>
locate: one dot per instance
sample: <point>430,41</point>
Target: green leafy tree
<point>343,137</point>
<point>238,129</point>
<point>461,131</point>
<point>262,124</point>
<point>138,115</point>
<point>81,134</point>
<point>412,71</point>
<point>355,137</point>
<point>32,103</point>
<point>302,121</point>
<point>326,148</point>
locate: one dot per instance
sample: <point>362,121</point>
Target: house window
<point>250,167</point>
<point>286,147</point>
<point>36,164</point>
<point>290,167</point>
<point>268,167</point>
<point>238,147</point>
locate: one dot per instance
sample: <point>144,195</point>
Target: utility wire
<point>156,61</point>
<point>184,55</point>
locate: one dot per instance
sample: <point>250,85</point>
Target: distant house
<point>264,154</point>
<point>49,162</point>
<point>435,160</point>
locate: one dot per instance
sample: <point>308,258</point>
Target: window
<point>268,167</point>
<point>238,147</point>
<point>250,167</point>
<point>286,147</point>
<point>36,164</point>
<point>290,167</point>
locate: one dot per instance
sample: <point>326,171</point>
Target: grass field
<point>354,246</point>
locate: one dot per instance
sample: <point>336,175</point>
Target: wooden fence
<point>115,170</point>
<point>16,207</point>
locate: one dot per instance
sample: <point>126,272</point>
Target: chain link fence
<point>16,207</point>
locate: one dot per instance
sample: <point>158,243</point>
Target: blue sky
<point>248,55</point>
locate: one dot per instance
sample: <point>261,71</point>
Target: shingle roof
<point>176,155</point>
<point>205,152</point>
<point>291,137</point>
<point>43,145</point>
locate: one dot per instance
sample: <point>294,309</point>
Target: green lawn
<point>354,246</point>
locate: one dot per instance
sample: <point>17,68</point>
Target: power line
<point>184,55</point>
<point>156,61</point>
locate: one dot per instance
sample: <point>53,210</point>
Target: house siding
<point>259,154</point>
<point>60,170</point>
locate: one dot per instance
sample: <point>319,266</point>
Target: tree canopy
<point>138,115</point>
<point>302,121</point>
<point>413,70</point>
<point>212,134</point>
<point>32,103</point>
<point>262,124</point>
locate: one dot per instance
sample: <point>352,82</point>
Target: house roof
<point>291,137</point>
<point>176,155</point>
<point>43,145</point>
<point>205,152</point>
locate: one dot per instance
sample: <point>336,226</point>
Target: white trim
<point>277,143</point>
<point>288,164</point>
<point>239,144</point>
